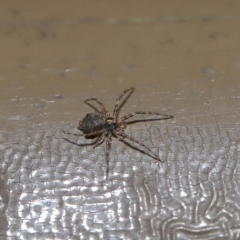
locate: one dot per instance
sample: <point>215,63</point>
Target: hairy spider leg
<point>118,100</point>
<point>95,134</point>
<point>99,140</point>
<point>121,136</point>
<point>108,147</point>
<point>163,116</point>
<point>101,105</point>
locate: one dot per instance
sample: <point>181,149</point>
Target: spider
<point>102,126</point>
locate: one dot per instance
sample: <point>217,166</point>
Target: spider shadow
<point>81,145</point>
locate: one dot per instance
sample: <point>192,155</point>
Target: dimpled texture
<point>51,189</point>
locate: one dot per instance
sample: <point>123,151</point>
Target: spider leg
<point>118,100</point>
<point>162,116</point>
<point>96,100</point>
<point>108,147</point>
<point>95,134</point>
<point>99,140</point>
<point>121,136</point>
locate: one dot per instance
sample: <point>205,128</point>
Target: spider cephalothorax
<point>101,125</point>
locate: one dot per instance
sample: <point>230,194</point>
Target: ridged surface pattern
<point>51,189</point>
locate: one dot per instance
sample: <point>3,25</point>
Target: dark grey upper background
<point>182,57</point>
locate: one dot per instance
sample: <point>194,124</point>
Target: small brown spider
<point>102,126</point>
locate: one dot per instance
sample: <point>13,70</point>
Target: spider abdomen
<point>92,122</point>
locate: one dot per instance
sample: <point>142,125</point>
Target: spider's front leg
<point>120,126</point>
<point>115,111</point>
<point>161,116</point>
<point>104,112</point>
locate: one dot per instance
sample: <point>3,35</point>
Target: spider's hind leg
<point>122,136</point>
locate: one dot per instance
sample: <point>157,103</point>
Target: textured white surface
<point>55,190</point>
